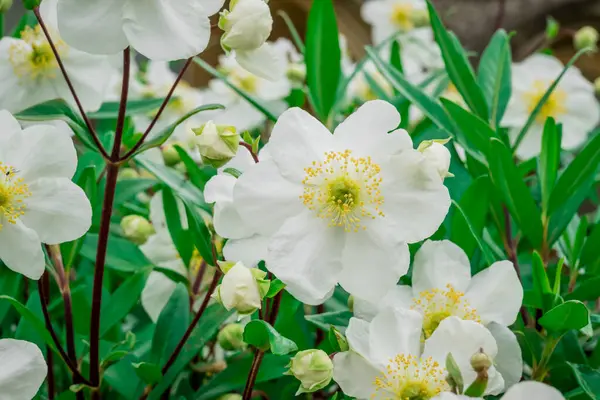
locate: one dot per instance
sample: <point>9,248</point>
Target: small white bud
<point>437,155</point>
<point>217,143</point>
<point>481,362</point>
<point>242,288</point>
<point>586,37</point>
<point>137,229</point>
<point>247,25</point>
<point>313,368</point>
<point>420,18</point>
<point>128,173</point>
<point>231,337</point>
<point>170,154</point>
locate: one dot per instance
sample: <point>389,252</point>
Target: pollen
<point>344,190</point>
<point>411,378</point>
<point>245,81</point>
<point>401,16</point>
<point>553,107</point>
<point>438,304</point>
<point>32,57</point>
<point>13,192</point>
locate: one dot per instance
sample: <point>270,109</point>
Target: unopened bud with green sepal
<point>246,25</point>
<point>242,288</point>
<point>586,37</point>
<point>313,368</point>
<point>137,228</point>
<point>437,155</point>
<point>230,338</point>
<point>217,143</point>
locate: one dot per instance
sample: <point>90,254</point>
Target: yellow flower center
<point>245,81</point>
<point>438,304</point>
<point>411,378</point>
<point>12,193</point>
<point>401,16</point>
<point>343,189</point>
<point>32,57</point>
<point>553,107</point>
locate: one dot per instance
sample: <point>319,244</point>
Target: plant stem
<point>87,121</point>
<point>49,354</point>
<point>140,142</point>
<point>112,172</point>
<point>320,334</point>
<point>247,146</point>
<point>540,371</point>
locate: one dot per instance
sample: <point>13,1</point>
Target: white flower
<point>438,155</point>
<point>389,16</point>
<point>38,201</point>
<point>244,243</point>
<point>23,369</point>
<point>242,288</point>
<point>218,144</point>
<point>386,361</point>
<point>247,24</point>
<point>30,73</point>
<point>529,390</point>
<point>159,30</point>
<point>341,208</point>
<point>573,103</point>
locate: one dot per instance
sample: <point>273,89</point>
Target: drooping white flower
<point>573,103</point>
<point>340,208</point>
<point>38,201</point>
<point>386,361</point>
<point>30,73</point>
<point>389,16</point>
<point>22,371</point>
<point>160,30</point>
<point>528,390</point>
<point>244,244</point>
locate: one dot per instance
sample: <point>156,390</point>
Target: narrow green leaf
<point>589,252</point>
<point>489,258</point>
<point>293,31</point>
<point>172,323</point>
<point>275,287</point>
<point>326,320</point>
<point>175,223</point>
<point>200,234</point>
<point>586,290</point>
<point>514,192</point>
<point>148,372</point>
<point>37,324</point>
<point>129,188</point>
<point>322,56</point>
<point>122,301</point>
<point>198,175</point>
<point>262,335</point>
<point>549,159</point>
<point>110,110</point>
<point>571,314</point>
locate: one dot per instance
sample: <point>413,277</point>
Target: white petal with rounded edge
<point>354,374</point>
<point>249,251</point>
<point>10,127</point>
<point>58,210</point>
<point>212,6</point>
<point>228,222</point>
<point>158,290</point>
<point>23,369</point>
<point>239,287</point>
<point>306,256</point>
<point>92,26</point>
<point>439,263</point>
<point>265,199</point>
<point>358,333</point>
<point>21,249</point>
<point>297,140</point>
<point>219,188</point>
<point>401,296</point>
<point>159,249</point>
<point>508,361</point>
<point>496,293</point>
<point>264,62</point>
<point>531,390</point>
<point>166,30</point>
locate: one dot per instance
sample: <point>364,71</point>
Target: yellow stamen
<point>553,107</point>
<point>401,16</point>
<point>32,57</point>
<point>13,191</point>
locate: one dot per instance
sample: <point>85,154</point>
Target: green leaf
<point>148,372</point>
<point>589,252</point>
<point>549,159</point>
<point>110,110</point>
<point>128,189</point>
<point>174,215</point>
<point>172,323</point>
<point>457,65</point>
<point>494,75</point>
<point>258,104</point>
<point>275,287</point>
<point>122,301</point>
<point>198,175</point>
<point>586,290</point>
<point>293,31</point>
<point>121,255</point>
<point>489,258</point>
<point>571,314</point>
<point>161,137</point>
<point>200,234</point>
<point>34,321</point>
<point>544,99</point>
<point>263,336</point>
<point>545,295</point>
<point>326,320</point>
<point>587,378</point>
<point>514,192</point>
<point>322,56</point>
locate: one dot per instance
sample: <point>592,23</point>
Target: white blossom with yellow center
<point>30,74</point>
<point>388,361</point>
<point>527,390</point>
<point>341,208</point>
<point>38,202</point>
<point>389,16</point>
<point>573,103</point>
<point>442,287</point>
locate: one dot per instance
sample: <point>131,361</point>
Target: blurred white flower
<point>242,289</point>
<point>386,361</point>
<point>362,87</point>
<point>22,371</point>
<point>573,103</point>
<point>341,208</point>
<point>529,390</point>
<point>389,16</point>
<point>38,201</point>
<point>159,30</point>
<point>30,73</point>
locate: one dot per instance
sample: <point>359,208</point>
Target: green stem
<point>540,371</point>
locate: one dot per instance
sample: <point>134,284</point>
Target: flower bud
<point>230,338</point>
<point>597,86</point>
<point>137,229</point>
<point>481,362</point>
<point>437,155</point>
<point>242,288</point>
<point>127,173</point>
<point>170,154</point>
<point>586,37</point>
<point>231,396</point>
<point>351,303</point>
<point>247,25</point>
<point>5,5</point>
<point>420,18</point>
<point>217,143</point>
<point>313,368</point>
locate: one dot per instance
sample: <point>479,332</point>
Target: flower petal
<point>439,263</point>
<point>21,250</point>
<point>24,369</point>
<point>161,251</point>
<point>530,390</point>
<point>509,361</point>
<point>354,374</point>
<point>264,62</point>
<point>211,7</point>
<point>250,251</point>
<point>401,297</point>
<point>159,288</point>
<point>58,210</point>
<point>10,127</point>
<point>92,26</point>
<point>219,188</point>
<point>357,333</point>
<point>496,293</point>
<point>166,30</point>
<point>306,256</point>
